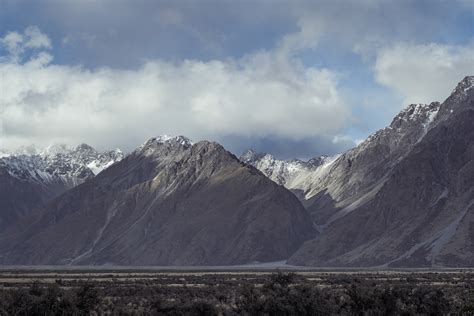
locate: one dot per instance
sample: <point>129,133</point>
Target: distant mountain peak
<point>248,154</point>
<point>251,155</point>
<point>281,171</point>
<point>85,148</point>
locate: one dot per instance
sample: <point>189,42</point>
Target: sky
<point>297,79</point>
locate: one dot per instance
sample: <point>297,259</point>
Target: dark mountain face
<point>168,203</point>
<point>18,201</point>
<point>421,212</point>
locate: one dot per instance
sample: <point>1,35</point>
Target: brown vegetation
<point>232,293</point>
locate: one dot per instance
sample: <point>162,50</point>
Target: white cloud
<point>422,73</point>
<point>12,42</point>
<point>36,39</point>
<point>306,37</point>
<point>16,44</point>
<point>259,95</point>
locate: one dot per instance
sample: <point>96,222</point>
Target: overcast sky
<point>294,78</point>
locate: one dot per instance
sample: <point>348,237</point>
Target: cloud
<point>423,73</point>
<point>35,38</point>
<point>12,43</point>
<point>213,29</point>
<point>260,95</point>
<point>306,37</point>
<point>356,24</point>
<point>17,43</point>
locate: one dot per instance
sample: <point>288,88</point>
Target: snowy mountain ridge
<point>293,174</point>
<point>58,163</point>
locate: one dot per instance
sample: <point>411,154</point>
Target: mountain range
<point>401,198</point>
<point>170,202</point>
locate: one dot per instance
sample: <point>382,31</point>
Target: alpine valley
<point>404,197</point>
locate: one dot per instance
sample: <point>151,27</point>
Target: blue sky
<point>294,78</point>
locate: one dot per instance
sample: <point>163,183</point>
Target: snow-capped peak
<point>150,145</point>
<point>250,156</point>
<point>171,139</point>
<point>163,138</point>
<point>415,119</point>
<point>417,112</point>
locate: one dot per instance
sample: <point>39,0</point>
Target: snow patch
<point>431,117</point>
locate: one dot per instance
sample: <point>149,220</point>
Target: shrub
<point>279,296</point>
<point>87,299</point>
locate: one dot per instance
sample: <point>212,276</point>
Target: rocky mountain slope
<point>29,177</point>
<point>170,202</point>
<point>405,196</point>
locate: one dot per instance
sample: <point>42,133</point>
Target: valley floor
<point>250,291</point>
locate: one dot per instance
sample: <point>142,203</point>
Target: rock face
<point>170,202</point>
<point>29,178</point>
<point>404,197</point>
